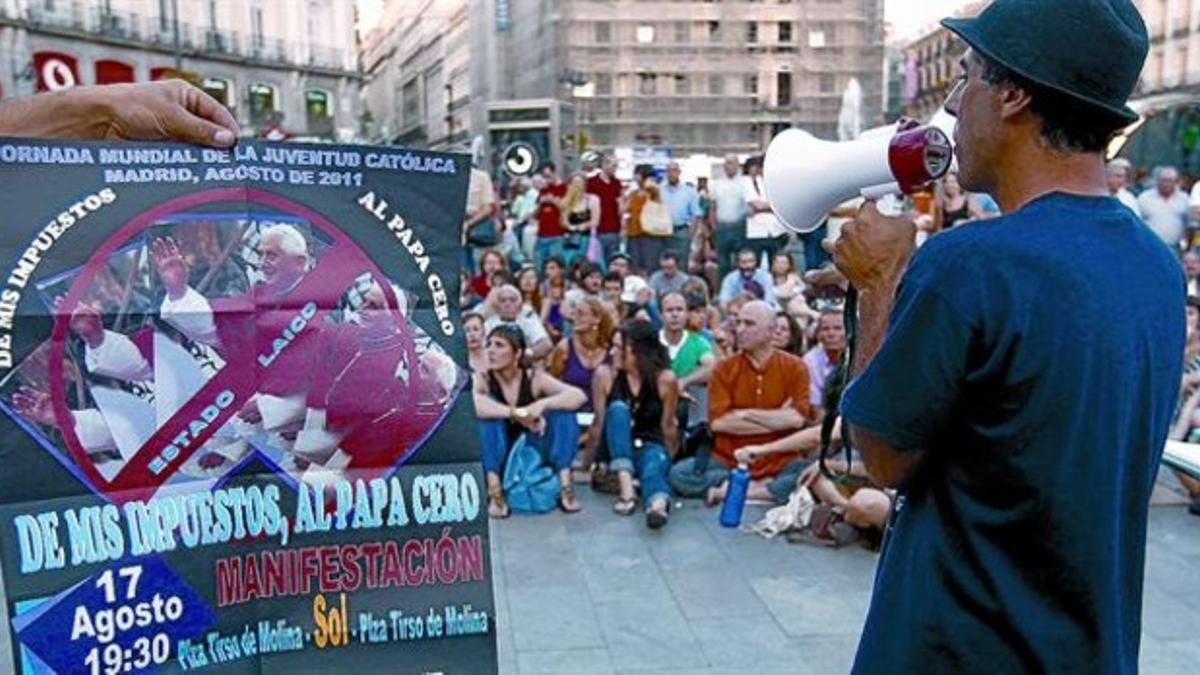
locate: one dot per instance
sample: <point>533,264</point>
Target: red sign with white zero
<point>55,71</point>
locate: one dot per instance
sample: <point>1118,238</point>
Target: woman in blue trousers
<point>635,400</point>
<point>512,400</point>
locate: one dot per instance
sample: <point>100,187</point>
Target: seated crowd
<point>655,373</point>
<point>644,382</point>
<point>652,376</point>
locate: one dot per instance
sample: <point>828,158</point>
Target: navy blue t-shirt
<point>1035,359</point>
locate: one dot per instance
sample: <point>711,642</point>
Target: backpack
<point>530,486</point>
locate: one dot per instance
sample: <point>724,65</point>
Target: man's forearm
<point>735,425</point>
<point>74,114</point>
<point>806,441</point>
<point>700,375</point>
<point>782,419</point>
<point>874,308</point>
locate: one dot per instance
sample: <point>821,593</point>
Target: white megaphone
<point>804,177</point>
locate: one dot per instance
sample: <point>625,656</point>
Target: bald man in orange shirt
<point>756,396</point>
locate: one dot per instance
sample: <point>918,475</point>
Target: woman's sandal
<point>497,506</point>
<point>625,507</point>
<point>567,494</point>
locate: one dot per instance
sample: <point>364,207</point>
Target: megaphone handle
<point>850,314</point>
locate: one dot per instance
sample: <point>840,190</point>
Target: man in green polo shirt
<point>691,358</point>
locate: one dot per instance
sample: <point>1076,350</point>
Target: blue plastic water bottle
<point>735,497</point>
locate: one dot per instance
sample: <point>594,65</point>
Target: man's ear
<point>1014,100</point>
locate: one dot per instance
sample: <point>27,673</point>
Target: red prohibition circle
<point>340,264</point>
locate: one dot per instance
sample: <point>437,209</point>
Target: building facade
<point>1174,60</point>
<point>694,76</point>
<point>708,77</point>
<point>931,65</point>
<point>1172,64</point>
<point>417,74</point>
<point>287,66</point>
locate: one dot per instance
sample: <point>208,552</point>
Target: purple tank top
<point>576,374</point>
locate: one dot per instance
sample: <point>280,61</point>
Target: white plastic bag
<point>793,515</point>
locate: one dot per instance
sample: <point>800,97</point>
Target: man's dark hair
<point>501,278</point>
<point>668,255</point>
<point>1193,301</point>
<point>743,251</point>
<point>1068,124</point>
<point>587,269</point>
<point>614,276</point>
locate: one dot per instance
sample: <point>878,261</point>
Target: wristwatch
<point>520,413</point>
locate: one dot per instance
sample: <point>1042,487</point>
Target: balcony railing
<point>80,17</point>
<point>327,57</point>
<point>269,49</point>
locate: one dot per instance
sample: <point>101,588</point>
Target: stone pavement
<point>597,593</point>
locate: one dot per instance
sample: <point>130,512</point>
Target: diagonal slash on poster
<point>220,398</point>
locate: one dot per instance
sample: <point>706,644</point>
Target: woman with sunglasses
<point>635,401</point>
<point>511,401</point>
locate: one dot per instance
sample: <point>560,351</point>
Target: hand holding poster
<point>233,437</point>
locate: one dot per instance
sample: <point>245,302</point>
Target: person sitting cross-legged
<point>512,400</point>
<point>635,400</point>
<point>853,499</point>
<point>756,396</point>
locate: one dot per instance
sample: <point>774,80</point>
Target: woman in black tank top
<point>635,402</point>
<point>512,401</point>
<point>580,216</point>
<point>954,205</point>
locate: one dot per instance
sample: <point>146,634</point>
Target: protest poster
<point>234,436</point>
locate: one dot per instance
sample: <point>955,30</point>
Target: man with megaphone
<point>1022,425</point>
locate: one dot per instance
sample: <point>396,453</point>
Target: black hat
<point>1090,50</point>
